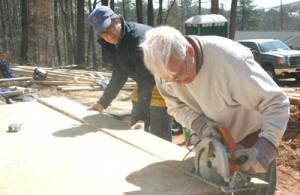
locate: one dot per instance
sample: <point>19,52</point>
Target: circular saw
<point>215,165</point>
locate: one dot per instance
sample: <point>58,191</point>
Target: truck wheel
<point>271,73</point>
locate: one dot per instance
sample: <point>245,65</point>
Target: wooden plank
<point>77,88</point>
<point>139,138</point>
<point>56,75</point>
<point>70,72</point>
<point>61,82</point>
<point>287,89</point>
<point>70,77</point>
<point>16,79</point>
<point>14,91</point>
<point>55,154</point>
<point>294,95</point>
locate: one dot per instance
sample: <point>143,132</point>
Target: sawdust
<point>288,179</point>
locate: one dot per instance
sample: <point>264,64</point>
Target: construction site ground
<point>288,174</point>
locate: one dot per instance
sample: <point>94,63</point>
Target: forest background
<point>56,33</point>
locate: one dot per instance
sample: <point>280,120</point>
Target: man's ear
<point>190,51</point>
<point>118,19</point>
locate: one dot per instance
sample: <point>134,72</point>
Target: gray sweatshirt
<point>232,90</point>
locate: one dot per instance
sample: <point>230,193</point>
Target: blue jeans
<point>160,121</point>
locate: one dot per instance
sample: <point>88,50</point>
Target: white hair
<point>159,45</point>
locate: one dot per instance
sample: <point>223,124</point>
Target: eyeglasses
<point>176,77</point>
<point>107,31</point>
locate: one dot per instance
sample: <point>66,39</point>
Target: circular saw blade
<point>211,161</point>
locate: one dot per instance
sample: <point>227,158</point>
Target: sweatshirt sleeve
<point>255,90</point>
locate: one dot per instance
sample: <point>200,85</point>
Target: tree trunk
<point>150,13</point>
<point>64,37</point>
<point>112,4</point>
<point>56,32</point>
<point>73,33</point>
<point>159,17</point>
<point>215,7</point>
<point>169,10</point>
<point>13,22</point>
<point>80,32</point>
<point>139,11</point>
<point>232,19</point>
<point>90,38</point>
<point>10,24</point>
<point>243,16</point>
<point>105,59</point>
<point>93,42</point>
<point>124,10</point>
<point>25,29</point>
<point>199,7</point>
<point>105,2</point>
<point>281,15</point>
<point>3,26</point>
<point>67,31</point>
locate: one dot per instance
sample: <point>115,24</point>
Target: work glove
<point>208,129</point>
<point>257,158</point>
<point>212,130</point>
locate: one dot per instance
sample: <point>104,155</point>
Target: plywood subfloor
<point>83,152</point>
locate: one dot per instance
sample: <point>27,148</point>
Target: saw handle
<point>229,142</point>
<point>242,159</point>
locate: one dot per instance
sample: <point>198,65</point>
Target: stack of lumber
<point>293,94</point>
<point>69,79</point>
<point>14,91</point>
<point>294,97</point>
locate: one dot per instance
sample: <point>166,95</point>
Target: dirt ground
<point>288,174</point>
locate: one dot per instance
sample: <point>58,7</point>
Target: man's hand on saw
<point>206,129</point>
<point>96,106</point>
<point>212,130</point>
<point>257,158</point>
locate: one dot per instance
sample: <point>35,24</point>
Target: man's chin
<point>183,82</point>
<point>188,81</point>
<point>113,41</point>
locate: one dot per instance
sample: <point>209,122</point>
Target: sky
<point>260,3</point>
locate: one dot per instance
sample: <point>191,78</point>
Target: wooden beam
<point>16,79</point>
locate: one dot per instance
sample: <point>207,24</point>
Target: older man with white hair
<point>211,81</point>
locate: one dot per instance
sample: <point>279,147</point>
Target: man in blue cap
<point>127,61</point>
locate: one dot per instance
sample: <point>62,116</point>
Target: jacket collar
<point>198,50</point>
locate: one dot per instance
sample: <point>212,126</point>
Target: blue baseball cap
<point>100,18</point>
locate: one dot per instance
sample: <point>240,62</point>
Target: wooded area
<point>56,32</point>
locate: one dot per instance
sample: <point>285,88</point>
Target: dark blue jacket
<point>127,61</point>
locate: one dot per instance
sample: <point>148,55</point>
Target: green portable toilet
<point>210,24</point>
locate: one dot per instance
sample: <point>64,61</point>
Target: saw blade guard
<point>211,160</point>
